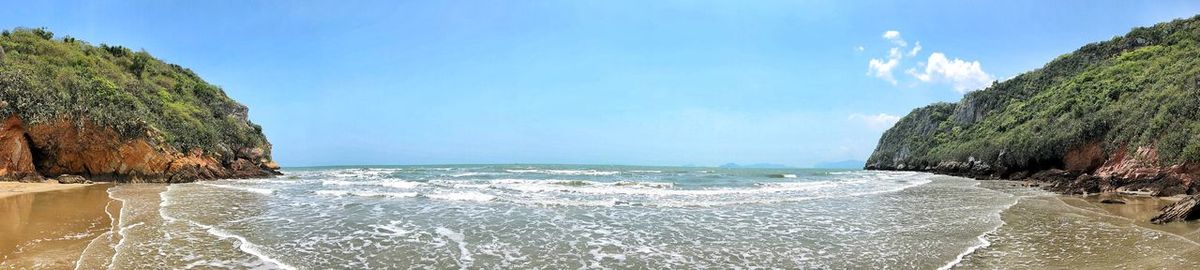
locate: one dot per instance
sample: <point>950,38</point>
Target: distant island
<point>1119,116</point>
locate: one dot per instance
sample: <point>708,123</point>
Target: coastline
<point>1054,230</point>
<point>21,188</point>
<point>48,226</point>
<point>1073,183</point>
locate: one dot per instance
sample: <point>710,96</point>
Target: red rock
<point>16,161</point>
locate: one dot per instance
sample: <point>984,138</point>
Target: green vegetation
<point>1141,89</point>
<point>44,79</point>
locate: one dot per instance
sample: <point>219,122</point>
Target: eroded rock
<point>1179,211</point>
<point>16,160</point>
<point>71,179</point>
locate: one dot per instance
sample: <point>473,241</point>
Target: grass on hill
<point>44,79</point>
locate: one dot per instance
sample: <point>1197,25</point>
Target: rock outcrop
<point>1185,209</point>
<point>16,159</point>
<point>1120,116</point>
<point>77,112</point>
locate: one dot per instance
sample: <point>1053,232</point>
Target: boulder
<point>1112,201</point>
<point>1179,211</point>
<point>71,179</point>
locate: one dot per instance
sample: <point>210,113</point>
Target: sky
<point>591,82</point>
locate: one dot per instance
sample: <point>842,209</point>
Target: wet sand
<point>1081,232</point>
<point>47,226</point>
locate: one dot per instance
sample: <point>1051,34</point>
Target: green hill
<point>1121,115</point>
<point>134,117</point>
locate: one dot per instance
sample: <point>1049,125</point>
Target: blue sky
<point>598,82</point>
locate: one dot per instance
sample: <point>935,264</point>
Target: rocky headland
<point>73,111</point>
<point>1120,116</point>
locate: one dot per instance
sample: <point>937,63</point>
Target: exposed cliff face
<point>107,113</point>
<point>1116,116</point>
<point>61,148</point>
<point>16,160</point>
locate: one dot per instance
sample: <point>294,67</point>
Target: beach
<point>585,217</point>
<point>1082,232</point>
<point>48,226</point>
<point>19,188</point>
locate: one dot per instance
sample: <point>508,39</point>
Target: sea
<point>617,217</point>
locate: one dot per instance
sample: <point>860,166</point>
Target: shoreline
<point>21,188</point>
<point>49,226</point>
<point>1066,183</point>
<point>1024,221</point>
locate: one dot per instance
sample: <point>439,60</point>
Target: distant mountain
<point>845,164</point>
<point>756,166</point>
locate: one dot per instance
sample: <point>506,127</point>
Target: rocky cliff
<point>1118,116</point>
<point>109,113</point>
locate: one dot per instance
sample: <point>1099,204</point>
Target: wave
<point>400,184</point>
<point>648,188</point>
<point>569,202</point>
<point>390,230</point>
<point>469,174</point>
<point>262,181</point>
<point>339,193</point>
<point>119,227</point>
<point>462,196</point>
<point>600,193</point>
<point>392,183</point>
<point>982,238</point>
<point>243,245</point>
<point>113,224</point>
<point>827,195</point>
<point>464,259</point>
<point>455,196</point>
<point>566,172</point>
<point>761,193</point>
<point>263,191</point>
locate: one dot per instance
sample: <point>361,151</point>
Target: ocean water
<point>556,217</point>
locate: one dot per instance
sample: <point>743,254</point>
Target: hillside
<point>1121,115</point>
<point>108,112</point>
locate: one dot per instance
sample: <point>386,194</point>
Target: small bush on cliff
<point>1141,89</point>
<point>44,80</point>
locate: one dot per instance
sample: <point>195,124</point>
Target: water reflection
<point>50,229</point>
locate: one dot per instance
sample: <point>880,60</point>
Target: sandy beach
<point>47,226</point>
<point>18,188</point>
<point>1084,232</point>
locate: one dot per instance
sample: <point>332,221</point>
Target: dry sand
<point>18,188</point>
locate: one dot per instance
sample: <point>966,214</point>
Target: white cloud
<point>894,37</point>
<point>894,53</point>
<point>915,49</point>
<point>859,49</point>
<point>962,75</point>
<point>878,121</point>
<point>883,69</point>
